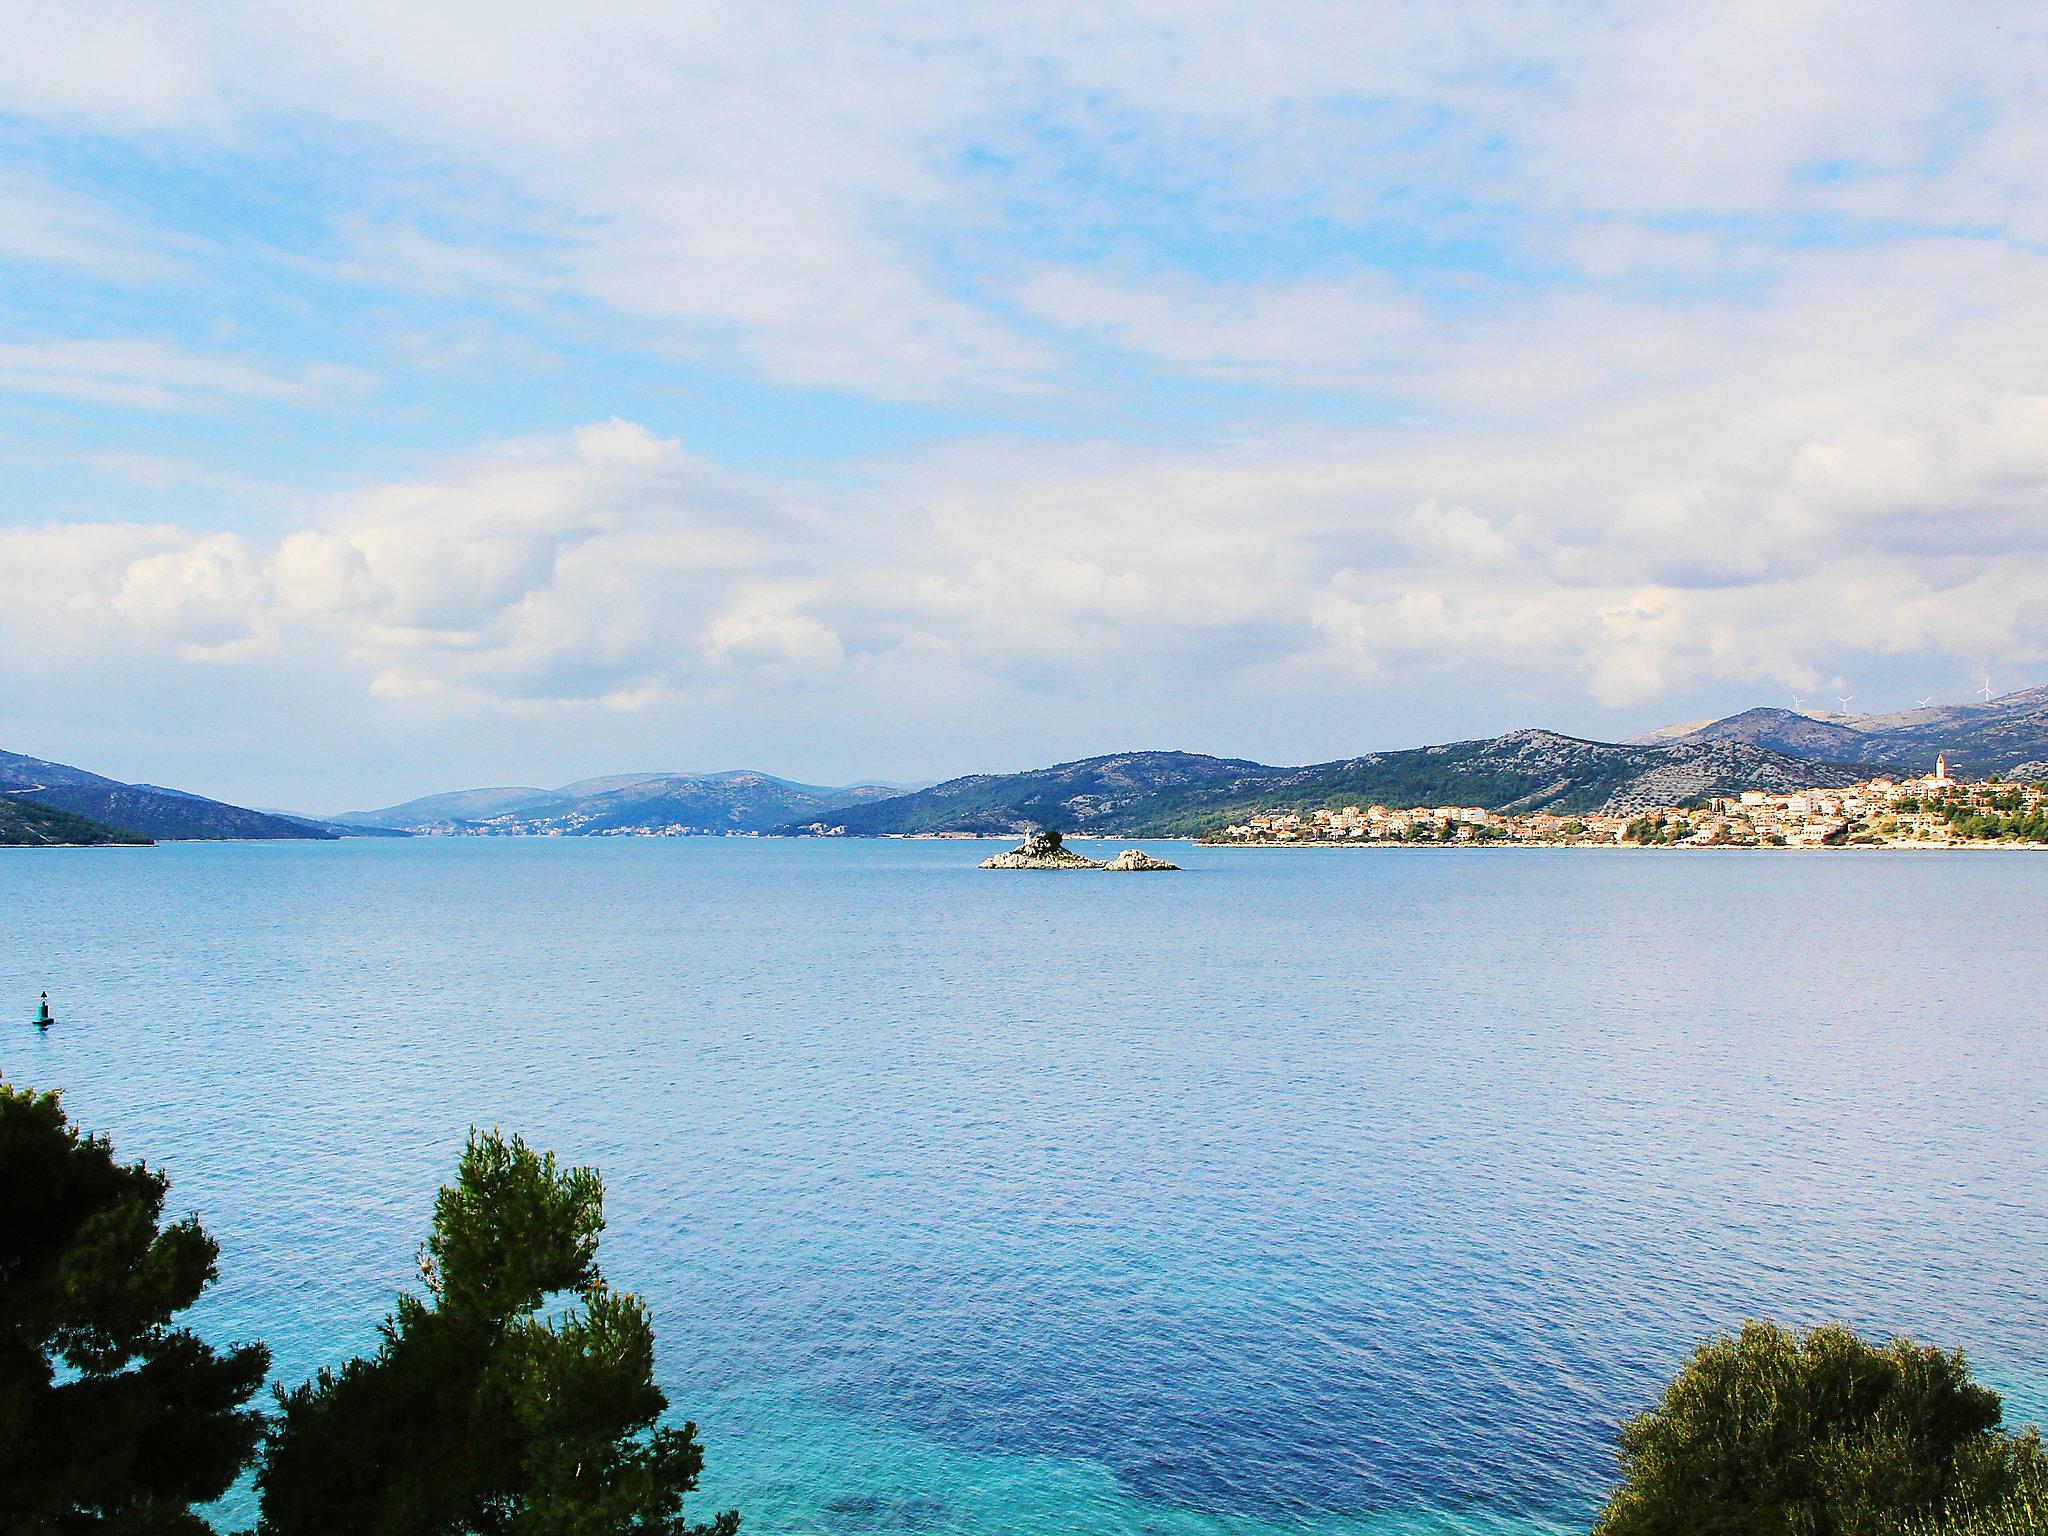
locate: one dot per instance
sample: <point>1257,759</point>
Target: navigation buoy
<point>42,1018</point>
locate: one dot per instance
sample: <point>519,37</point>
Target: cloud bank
<point>1195,368</point>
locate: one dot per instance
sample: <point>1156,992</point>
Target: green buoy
<point>43,1019</point>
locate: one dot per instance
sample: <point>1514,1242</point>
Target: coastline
<point>1510,846</point>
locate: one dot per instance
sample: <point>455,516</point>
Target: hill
<point>333,828</point>
<point>737,801</point>
<point>1105,793</point>
<point>1525,771</point>
<point>19,772</point>
<point>25,824</point>
<point>146,810</point>
<point>446,811</point>
<point>1167,794</point>
<point>169,816</point>
<point>2007,735</point>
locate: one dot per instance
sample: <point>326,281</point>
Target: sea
<point>1351,1191</point>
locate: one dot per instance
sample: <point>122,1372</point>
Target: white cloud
<point>1456,534</point>
<point>608,568</point>
<point>853,197</point>
<point>151,375</point>
<point>210,597</point>
<point>1688,344</point>
<point>319,573</point>
<point>1305,334</point>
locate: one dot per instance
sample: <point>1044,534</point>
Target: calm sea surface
<point>1355,1192</point>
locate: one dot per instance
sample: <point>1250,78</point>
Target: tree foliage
<point>112,1419</point>
<point>2022,1512</point>
<point>480,1412</point>
<point>1777,1434</point>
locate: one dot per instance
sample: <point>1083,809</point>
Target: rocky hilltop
<point>2006,735</point>
<point>1044,850</point>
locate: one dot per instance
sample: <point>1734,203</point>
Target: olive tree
<point>1820,1434</point>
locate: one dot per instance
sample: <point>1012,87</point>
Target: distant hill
<point>334,828</point>
<point>1112,792</point>
<point>2008,736</point>
<point>1536,770</point>
<point>146,810</point>
<point>169,817</point>
<point>19,772</point>
<point>1165,794</point>
<point>738,801</point>
<point>23,823</point>
<point>446,811</point>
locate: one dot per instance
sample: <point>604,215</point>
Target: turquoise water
<point>1356,1192</point>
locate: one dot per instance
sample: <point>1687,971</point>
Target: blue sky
<point>394,399</point>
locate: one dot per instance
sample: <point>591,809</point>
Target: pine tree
<point>112,1419</point>
<point>480,1413</point>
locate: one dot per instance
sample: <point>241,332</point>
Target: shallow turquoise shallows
<point>1355,1192</point>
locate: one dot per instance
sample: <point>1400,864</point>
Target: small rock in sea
<point>1137,858</point>
<point>1042,850</point>
<point>1039,850</point>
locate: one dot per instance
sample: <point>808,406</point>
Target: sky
<point>397,398</point>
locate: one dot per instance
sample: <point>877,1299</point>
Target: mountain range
<point>1157,794</point>
<point>2007,736</point>
<point>1165,794</point>
<point>1177,794</point>
<point>624,804</point>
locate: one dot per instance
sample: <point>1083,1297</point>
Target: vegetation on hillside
<point>2008,815</point>
<point>25,824</point>
<point>170,814</point>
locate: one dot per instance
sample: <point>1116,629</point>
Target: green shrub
<point>1779,1434</point>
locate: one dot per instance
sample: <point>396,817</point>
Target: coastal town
<point>1934,810</point>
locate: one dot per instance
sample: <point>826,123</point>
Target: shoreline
<point>1506,846</point>
<point>1509,846</point>
<point>1363,844</point>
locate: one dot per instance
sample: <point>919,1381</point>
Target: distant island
<point>1525,784</point>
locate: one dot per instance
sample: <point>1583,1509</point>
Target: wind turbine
<point>1985,691</point>
<point>1798,703</point>
<point>1926,701</point>
<point>1843,700</point>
